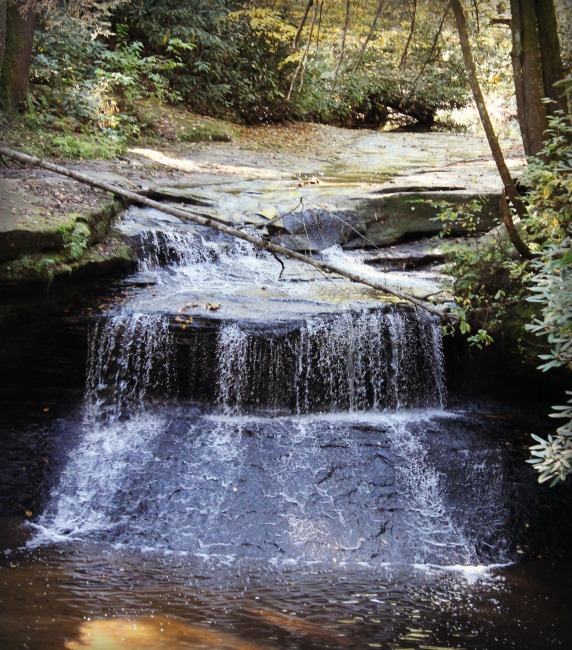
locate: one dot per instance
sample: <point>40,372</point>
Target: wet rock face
<point>42,366</point>
<point>35,219</point>
<point>378,359</point>
<point>407,216</point>
<point>42,374</point>
<point>26,450</point>
<point>39,249</point>
<point>313,218</point>
<point>42,386</point>
<point>382,221</point>
<point>372,193</point>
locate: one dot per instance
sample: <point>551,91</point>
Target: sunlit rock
<point>153,633</point>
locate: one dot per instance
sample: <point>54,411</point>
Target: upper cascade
<point>372,360</point>
<point>282,340</point>
<point>353,361</point>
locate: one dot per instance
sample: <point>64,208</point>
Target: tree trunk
<point>429,57</point>
<point>2,29</point>
<point>409,36</point>
<point>527,69</point>
<point>550,54</point>
<point>370,34</point>
<point>301,67</point>
<point>302,23</point>
<point>343,46</point>
<point>494,145</point>
<point>15,71</point>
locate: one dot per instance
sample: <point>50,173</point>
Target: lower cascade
<point>326,441</point>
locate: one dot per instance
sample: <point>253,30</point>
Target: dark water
<point>80,595</point>
<point>178,528</point>
<point>418,486</point>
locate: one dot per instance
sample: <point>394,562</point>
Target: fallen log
<point>201,220</point>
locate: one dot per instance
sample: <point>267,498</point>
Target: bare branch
<point>410,35</point>
<point>343,47</point>
<point>307,50</point>
<point>301,67</point>
<point>302,23</point>
<point>432,50</point>
<point>363,48</point>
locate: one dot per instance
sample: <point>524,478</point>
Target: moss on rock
<point>79,246</point>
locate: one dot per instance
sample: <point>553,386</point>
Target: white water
<point>352,361</point>
<point>362,482</point>
<point>131,355</point>
<point>376,525</point>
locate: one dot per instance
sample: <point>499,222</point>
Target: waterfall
<point>169,246</point>
<point>356,482</point>
<point>332,488</point>
<point>131,357</point>
<point>353,361</point>
<point>324,440</point>
<point>130,362</point>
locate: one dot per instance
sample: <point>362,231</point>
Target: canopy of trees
<point>352,62</point>
<point>327,60</point>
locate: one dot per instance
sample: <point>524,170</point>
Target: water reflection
<point>151,633</point>
<point>96,597</point>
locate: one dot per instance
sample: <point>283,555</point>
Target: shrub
<point>550,206</point>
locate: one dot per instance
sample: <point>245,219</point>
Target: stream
<point>263,458</point>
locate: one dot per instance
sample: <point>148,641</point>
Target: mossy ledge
<point>83,247</point>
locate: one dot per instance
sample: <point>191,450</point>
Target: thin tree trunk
<point>432,50</point>
<point>363,48</point>
<point>321,11</point>
<point>513,235</point>
<point>202,220</point>
<point>307,50</point>
<point>302,23</point>
<point>343,47</point>
<point>2,29</point>
<point>301,67</point>
<point>494,145</point>
<point>477,15</point>
<point>15,71</point>
<point>409,36</point>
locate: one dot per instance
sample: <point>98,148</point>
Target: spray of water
<point>345,474</point>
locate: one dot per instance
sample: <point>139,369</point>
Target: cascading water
<point>321,445</point>
<point>131,355</point>
<point>354,361</point>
